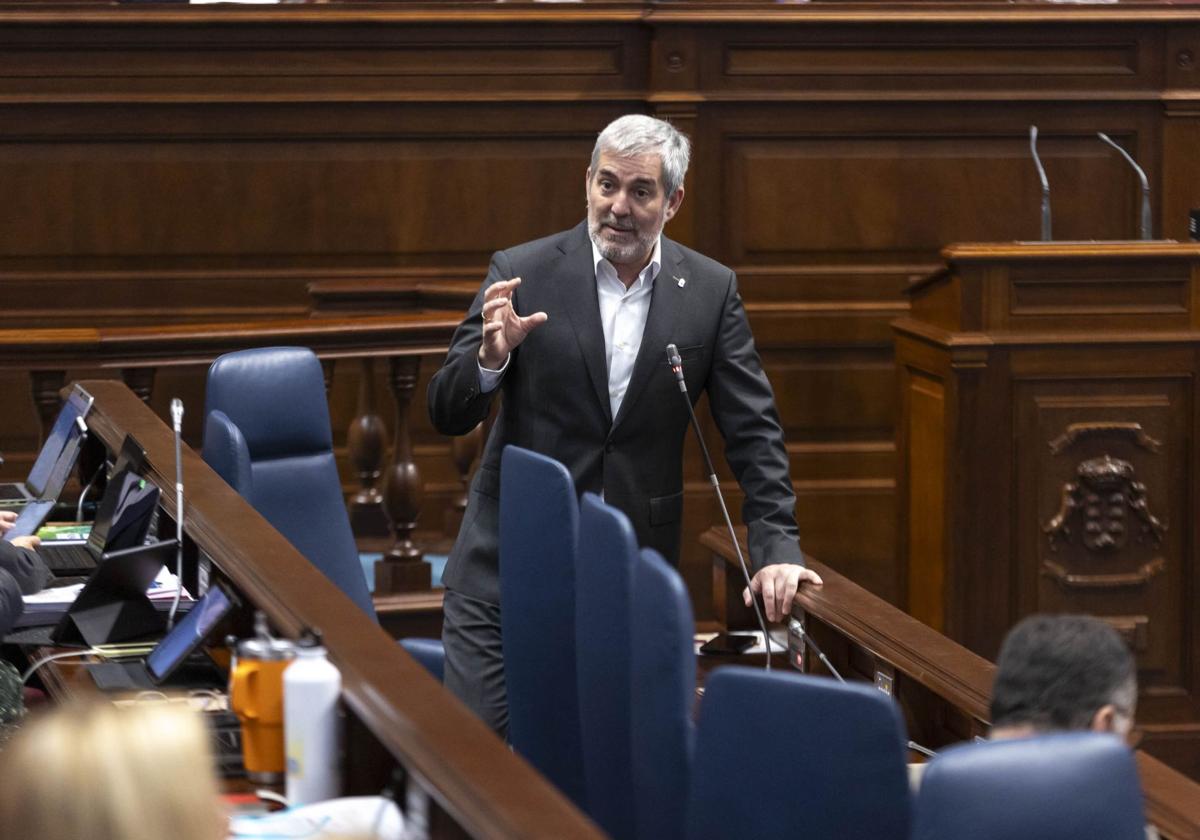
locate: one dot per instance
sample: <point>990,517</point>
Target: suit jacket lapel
<point>581,301</point>
<point>666,300</point>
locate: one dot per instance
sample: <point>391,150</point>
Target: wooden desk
<point>943,688</point>
<point>398,714</point>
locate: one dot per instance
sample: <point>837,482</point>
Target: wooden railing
<point>473,783</point>
<point>943,688</point>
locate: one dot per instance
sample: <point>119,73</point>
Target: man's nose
<point>620,205</point>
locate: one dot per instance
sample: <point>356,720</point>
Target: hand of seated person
<point>26,542</point>
<point>8,518</point>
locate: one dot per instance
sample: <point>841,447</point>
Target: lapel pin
<point>680,282</point>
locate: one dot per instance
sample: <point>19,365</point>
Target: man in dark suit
<point>572,330</point>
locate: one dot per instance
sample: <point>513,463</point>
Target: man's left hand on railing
<point>777,584</point>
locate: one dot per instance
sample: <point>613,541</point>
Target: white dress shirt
<point>623,314</point>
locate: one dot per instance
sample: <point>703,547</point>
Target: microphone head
<point>176,411</point>
<point>672,355</point>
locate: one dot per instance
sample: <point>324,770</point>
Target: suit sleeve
<point>743,407</point>
<point>11,605</point>
<point>25,567</point>
<point>456,403</point>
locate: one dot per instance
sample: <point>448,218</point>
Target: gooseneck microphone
<point>677,368</point>
<point>1141,177</point>
<point>1037,161</point>
<point>177,423</point>
<point>797,627</point>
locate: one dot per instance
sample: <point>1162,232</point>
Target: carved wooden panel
<point>1101,511</point>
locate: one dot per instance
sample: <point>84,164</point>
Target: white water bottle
<point>311,688</point>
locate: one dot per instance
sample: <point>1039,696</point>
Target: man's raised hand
<point>503,328</point>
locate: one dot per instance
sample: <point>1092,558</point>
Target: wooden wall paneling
<point>328,56</point>
<point>1181,169</point>
<point>886,184</point>
<point>908,57</point>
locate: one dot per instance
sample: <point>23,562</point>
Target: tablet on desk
<point>172,659</point>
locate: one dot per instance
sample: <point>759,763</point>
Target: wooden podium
<point>1048,455</point>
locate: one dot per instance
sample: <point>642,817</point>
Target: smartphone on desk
<point>729,644</point>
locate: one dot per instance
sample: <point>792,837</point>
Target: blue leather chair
<point>429,653</point>
<point>539,524</point>
<point>1066,785</point>
<point>664,693</point>
<point>267,434</point>
<point>607,553</point>
<point>843,743</point>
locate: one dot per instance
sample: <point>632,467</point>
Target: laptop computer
<point>56,459</point>
<point>122,520</point>
<point>176,660</point>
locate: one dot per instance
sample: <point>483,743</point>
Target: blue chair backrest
<point>429,653</point>
<point>274,399</point>
<point>844,743</point>
<point>226,452</point>
<point>1065,785</point>
<point>607,553</point>
<point>664,692</point>
<point>539,523</point>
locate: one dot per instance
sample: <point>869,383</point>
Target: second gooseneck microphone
<point>677,368</point>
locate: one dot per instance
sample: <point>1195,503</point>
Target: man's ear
<point>673,204</point>
<point>1105,719</point>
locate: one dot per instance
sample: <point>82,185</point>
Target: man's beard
<point>621,253</point>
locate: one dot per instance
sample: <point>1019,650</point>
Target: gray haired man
<point>571,329</point>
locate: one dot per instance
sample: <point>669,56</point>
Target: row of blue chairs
<point>769,753</point>
<point>600,667</point>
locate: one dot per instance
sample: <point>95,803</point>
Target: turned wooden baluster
<point>140,380</point>
<point>402,569</point>
<point>464,450</point>
<point>366,443</point>
<point>45,385</point>
<point>327,375</point>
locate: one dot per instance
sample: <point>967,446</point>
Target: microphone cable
<point>798,628</point>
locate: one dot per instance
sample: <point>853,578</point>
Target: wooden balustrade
<point>942,687</point>
<point>137,354</point>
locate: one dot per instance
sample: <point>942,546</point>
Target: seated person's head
<point>1063,672</point>
<point>107,773</point>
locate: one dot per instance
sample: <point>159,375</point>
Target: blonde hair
<point>97,771</point>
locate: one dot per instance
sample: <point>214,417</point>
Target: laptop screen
<point>54,462</point>
<point>123,517</point>
<point>189,633</point>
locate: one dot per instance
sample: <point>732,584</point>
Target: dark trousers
<point>475,658</point>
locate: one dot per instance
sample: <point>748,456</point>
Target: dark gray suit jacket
<point>556,402</point>
<point>22,572</point>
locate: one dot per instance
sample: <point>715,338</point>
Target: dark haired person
<point>1063,672</point>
